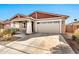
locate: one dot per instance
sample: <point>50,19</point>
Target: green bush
<point>13,31</point>
<point>76,35</point>
<point>9,31</point>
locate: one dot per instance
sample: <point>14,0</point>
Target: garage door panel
<point>48,27</point>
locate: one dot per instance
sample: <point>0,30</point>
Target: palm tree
<point>75,19</point>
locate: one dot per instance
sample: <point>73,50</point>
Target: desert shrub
<point>73,37</point>
<point>1,31</point>
<point>7,37</point>
<point>76,35</point>
<point>7,33</point>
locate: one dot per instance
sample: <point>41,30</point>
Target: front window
<point>48,22</point>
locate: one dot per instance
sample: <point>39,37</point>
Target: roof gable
<point>39,15</point>
<point>18,16</point>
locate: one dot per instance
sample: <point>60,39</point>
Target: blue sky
<point>9,10</point>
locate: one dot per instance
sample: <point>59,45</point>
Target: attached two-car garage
<point>47,26</point>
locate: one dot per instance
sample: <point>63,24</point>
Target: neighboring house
<point>1,25</point>
<point>7,24</point>
<point>70,28</point>
<point>42,22</point>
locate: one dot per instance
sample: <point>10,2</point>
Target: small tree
<point>76,35</point>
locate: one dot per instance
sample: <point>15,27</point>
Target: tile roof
<point>39,15</point>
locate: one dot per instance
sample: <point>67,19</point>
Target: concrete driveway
<point>38,44</point>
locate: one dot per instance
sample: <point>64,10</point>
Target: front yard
<point>38,43</point>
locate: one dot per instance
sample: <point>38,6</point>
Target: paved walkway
<point>37,44</point>
<point>20,35</point>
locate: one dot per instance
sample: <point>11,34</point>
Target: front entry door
<point>33,26</point>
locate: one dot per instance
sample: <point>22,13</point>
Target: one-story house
<point>42,22</point>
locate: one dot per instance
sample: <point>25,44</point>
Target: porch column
<point>60,26</point>
<point>29,27</point>
<point>12,25</point>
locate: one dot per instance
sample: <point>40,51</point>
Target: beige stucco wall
<point>17,25</point>
<point>19,19</point>
<point>63,27</point>
<point>12,25</point>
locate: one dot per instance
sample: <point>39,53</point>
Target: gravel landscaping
<point>74,45</point>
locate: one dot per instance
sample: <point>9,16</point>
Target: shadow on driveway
<point>34,35</point>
